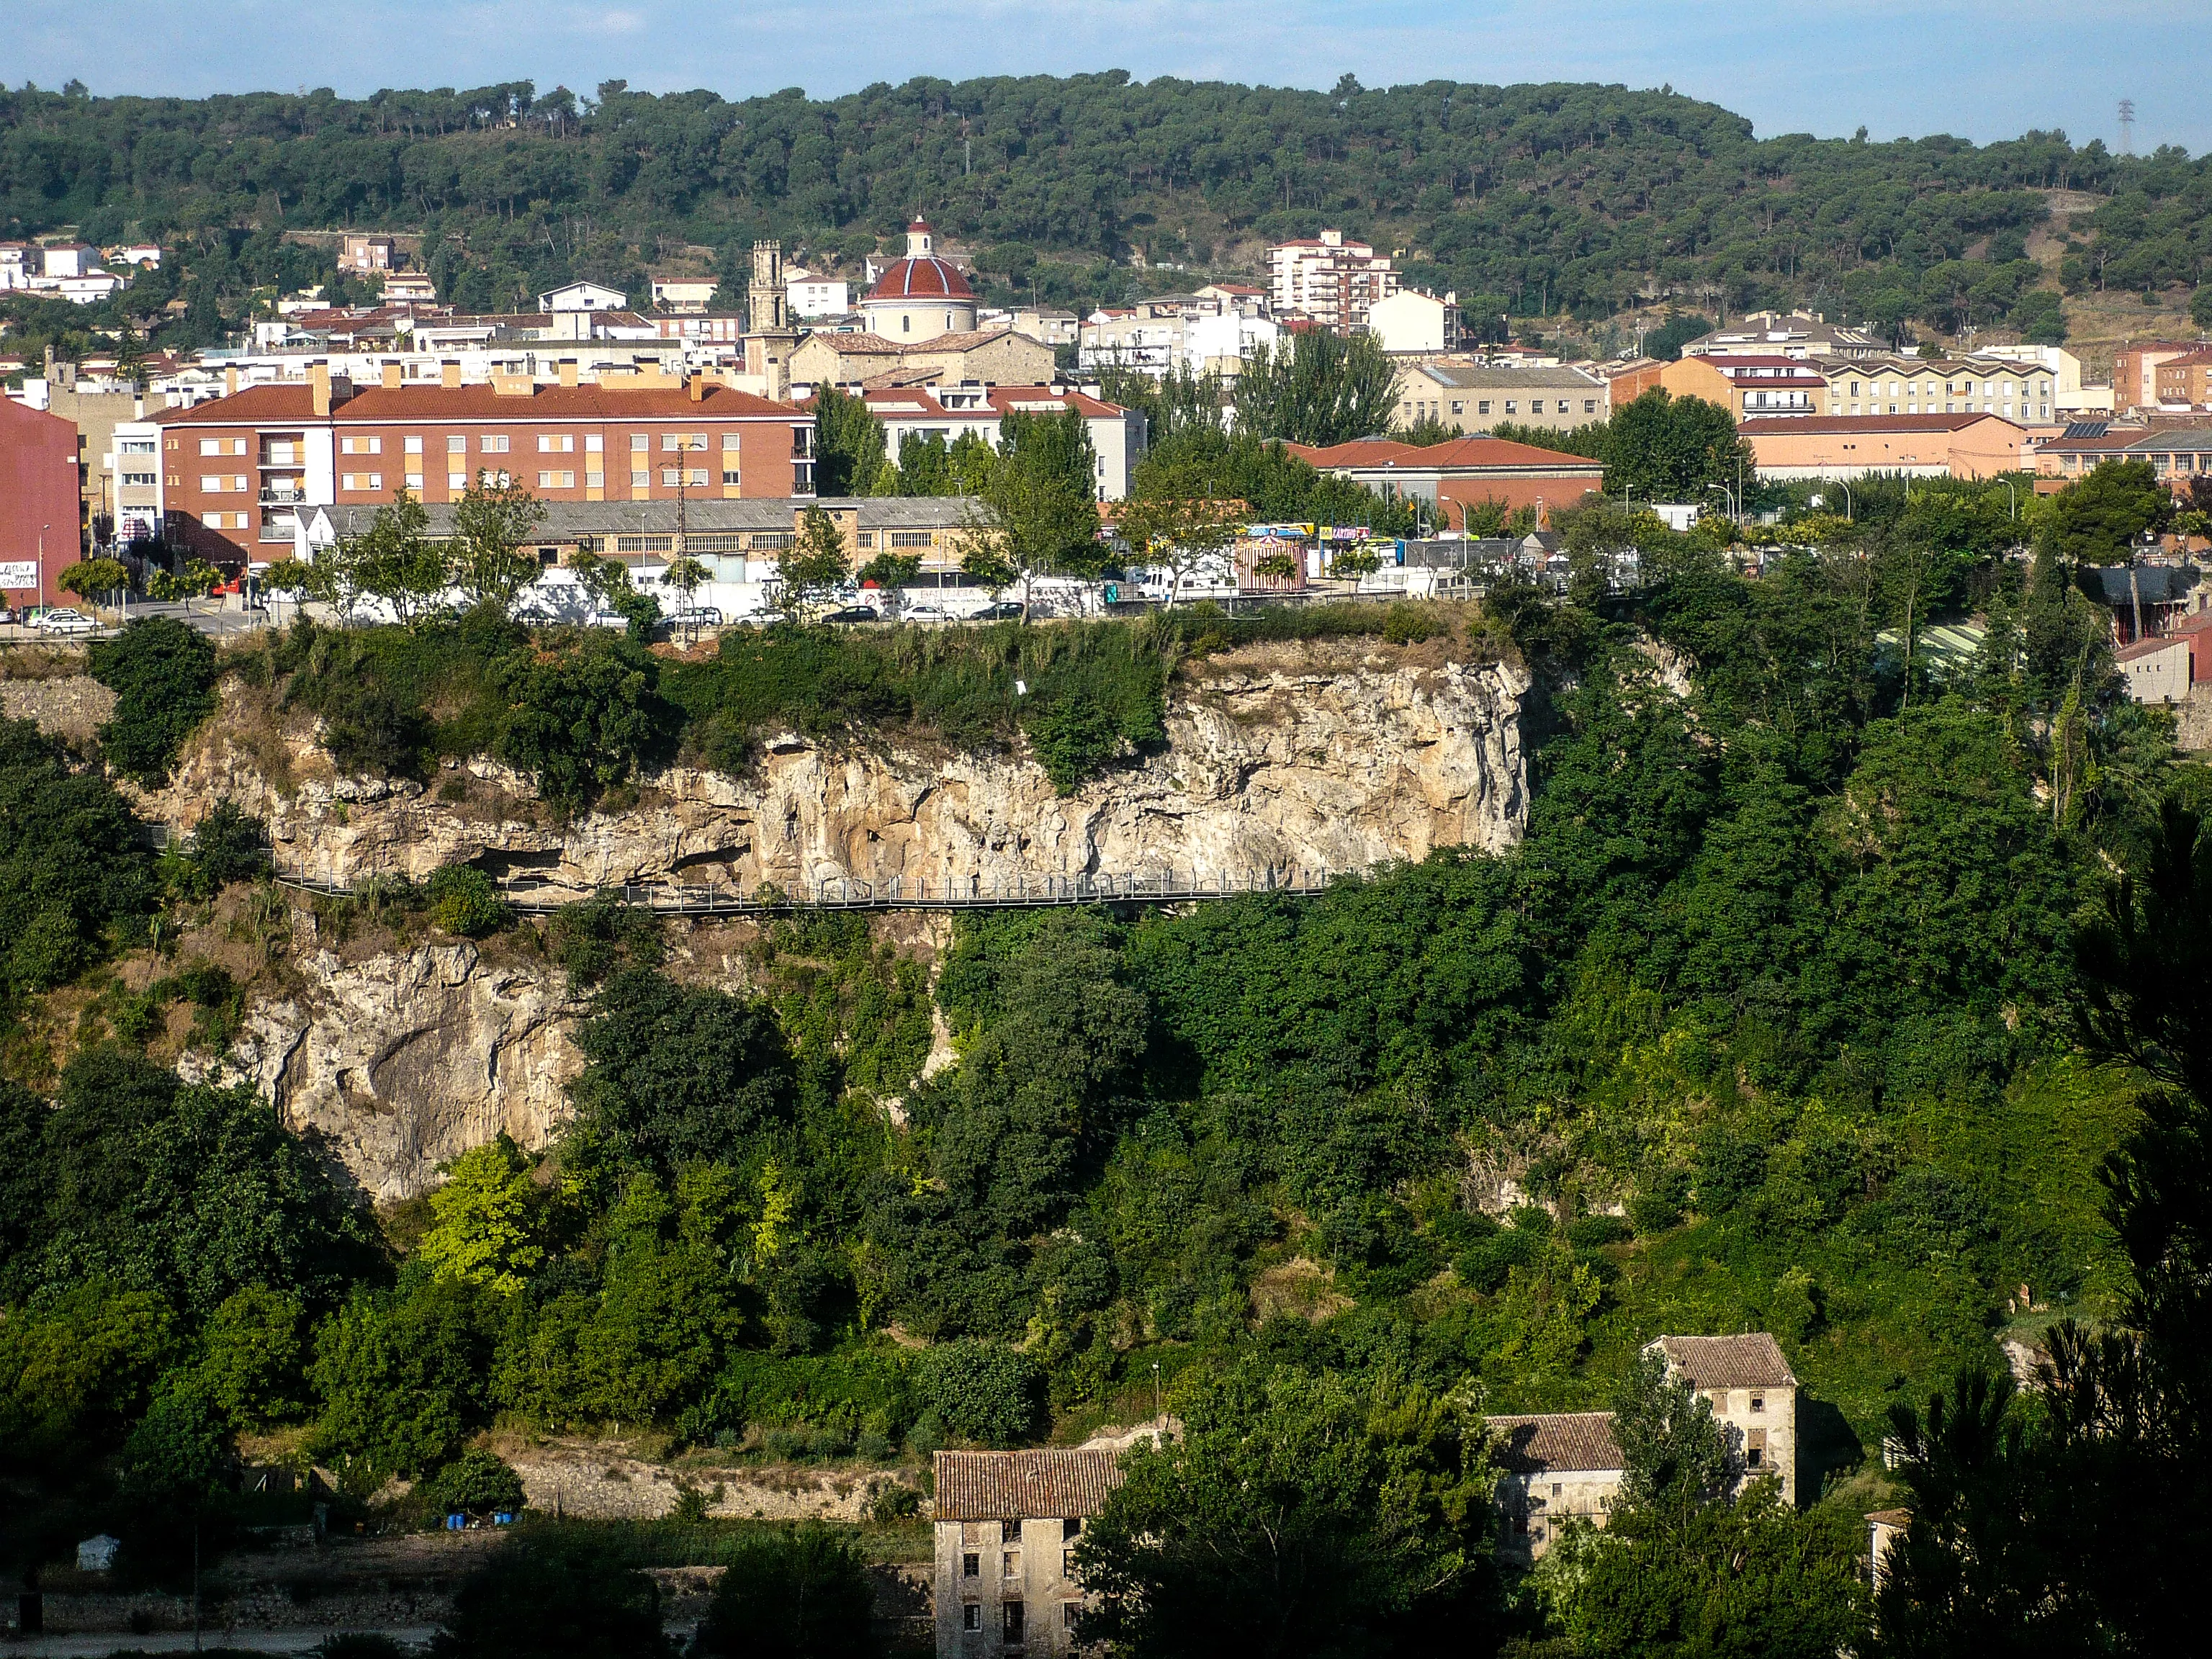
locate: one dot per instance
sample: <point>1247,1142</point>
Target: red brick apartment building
<point>234,470</point>
<point>38,503</point>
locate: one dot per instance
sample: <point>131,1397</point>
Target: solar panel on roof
<point>2076,430</point>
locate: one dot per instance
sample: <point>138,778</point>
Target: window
<point>549,556</point>
<point>457,446</point>
<point>211,445</point>
<point>1010,1565</point>
<point>495,480</point>
<point>1510,405</point>
<point>360,481</point>
<point>1482,407</point>
<point>909,539</point>
<point>414,446</point>
<point>729,443</point>
<point>1068,1563</point>
<point>1758,1402</point>
<point>1556,1488</point>
<point>145,480</point>
<point>638,442</point>
<point>1010,1532</point>
<point>361,445</point>
<point>668,478</point>
<point>645,544</point>
<point>1458,408</point>
<point>1754,1449</point>
<point>640,480</point>
<point>1016,1621</point>
<point>495,444</point>
<point>457,482</point>
<point>865,539</point>
<point>211,483</point>
<point>1589,405</point>
<point>695,476</point>
<point>731,477</point>
<point>971,1564</point>
<point>1071,1527</point>
<point>971,1615</point>
<point>770,541</point>
<point>594,443</point>
<point>414,480</point>
<point>557,480</point>
<point>134,446</point>
<point>556,443</point>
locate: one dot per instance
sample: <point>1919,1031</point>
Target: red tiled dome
<point>925,278</point>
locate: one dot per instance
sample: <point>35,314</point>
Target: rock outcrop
<point>400,1062</point>
<point>1327,757</point>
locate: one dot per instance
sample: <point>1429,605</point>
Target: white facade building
<point>812,296</point>
<point>1329,280</point>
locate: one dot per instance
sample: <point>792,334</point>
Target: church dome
<point>921,275</point>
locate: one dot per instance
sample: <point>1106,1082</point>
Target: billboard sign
<point>19,572</point>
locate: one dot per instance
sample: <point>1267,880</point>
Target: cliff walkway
<point>1023,893</point>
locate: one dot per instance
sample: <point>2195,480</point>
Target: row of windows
<point>490,443</point>
<point>1954,388</point>
<point>1013,1619</point>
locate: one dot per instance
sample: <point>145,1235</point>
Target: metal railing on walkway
<point>1024,892</point>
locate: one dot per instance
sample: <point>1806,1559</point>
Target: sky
<point>1979,68</point>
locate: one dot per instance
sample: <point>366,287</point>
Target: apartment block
<point>1328,280</point>
<point>1936,385</point>
<point>1476,396</point>
<point>236,470</point>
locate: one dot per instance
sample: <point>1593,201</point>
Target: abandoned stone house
<point>1754,1399</point>
<point>1557,1467</point>
<point>1566,1465</point>
<point>1007,1524</point>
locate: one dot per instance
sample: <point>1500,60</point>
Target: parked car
<point>926,612</point>
<point>606,619</point>
<point>8,616</point>
<point>704,616</point>
<point>998,610</point>
<point>65,621</point>
<point>851,613</point>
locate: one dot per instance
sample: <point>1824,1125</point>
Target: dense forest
<point>1531,201</point>
<point>1789,1013</point>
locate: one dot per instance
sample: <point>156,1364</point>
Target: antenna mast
<point>2127,126</point>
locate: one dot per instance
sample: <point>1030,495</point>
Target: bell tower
<point>769,336</point>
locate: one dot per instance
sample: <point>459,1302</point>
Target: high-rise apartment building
<point>1328,280</point>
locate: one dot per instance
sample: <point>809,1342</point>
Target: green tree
<point>403,1374</point>
<point>1663,448</point>
<point>94,576</point>
<point>2200,306</point>
<point>490,1219</point>
<point>581,720</point>
<point>554,1594</point>
<point>463,901</point>
<point>1173,520</point>
<point>253,1356</point>
<point>72,863</point>
<point>492,523</point>
<point>2099,518</point>
<point>163,674</point>
<point>478,1482</point>
<point>394,560</point>
<point>815,564</point>
<point>1317,387</point>
<point>794,1593</point>
<point>849,445</point>
<point>986,1391</point>
<point>1297,1515</point>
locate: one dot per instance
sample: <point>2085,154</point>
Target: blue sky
<point>1981,68</point>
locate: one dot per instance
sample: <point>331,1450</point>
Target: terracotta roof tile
<point>1557,1440</point>
<point>1025,1486</point>
<point>921,276</point>
<point>1754,1361</point>
<point>1761,426</point>
<point>293,402</point>
<point>1461,455</point>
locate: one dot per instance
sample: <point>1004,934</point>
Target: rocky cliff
<point>1340,756</point>
<point>1336,756</point>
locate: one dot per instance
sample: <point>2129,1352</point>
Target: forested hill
<point>1528,199</point>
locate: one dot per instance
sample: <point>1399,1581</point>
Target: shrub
<point>582,720</point>
<point>803,1591</point>
<point>478,1481</point>
<point>230,845</point>
<point>163,674</point>
<point>464,901</point>
<point>986,1391</point>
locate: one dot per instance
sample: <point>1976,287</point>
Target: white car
<point>923,612</point>
<point>64,622</point>
<point>705,615</point>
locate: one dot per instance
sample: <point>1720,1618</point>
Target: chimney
<point>229,379</point>
<point>697,387</point>
<point>449,376</point>
<point>391,377</point>
<point>568,373</point>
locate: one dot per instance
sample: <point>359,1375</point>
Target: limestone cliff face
<point>398,1063</point>
<point>1319,758</point>
<point>1339,757</point>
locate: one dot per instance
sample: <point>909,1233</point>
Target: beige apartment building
<point>1936,385</point>
<point>1474,398</point>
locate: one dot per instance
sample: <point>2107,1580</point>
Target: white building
<point>1410,320</point>
<point>683,294</point>
<point>1555,1467</point>
<point>811,296</point>
<point>1329,280</point>
<point>922,296</point>
<point>1007,1524</point>
<point>1753,1395</point>
<point>583,296</point>
<point>1117,435</point>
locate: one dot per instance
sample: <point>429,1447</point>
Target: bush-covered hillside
<point>1531,200</point>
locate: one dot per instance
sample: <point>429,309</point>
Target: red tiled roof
<point>2147,648</point>
<point>1001,400</point>
<point>921,276</point>
<point>1023,1486</point>
<point>293,402</point>
<point>1462,454</point>
<point>1754,1361</point>
<point>1557,1440</point>
<point>1761,425</point>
